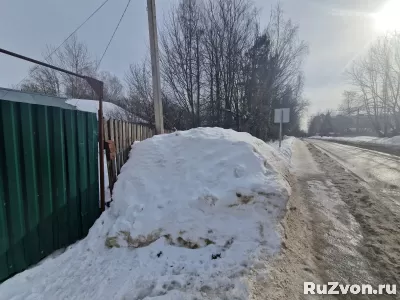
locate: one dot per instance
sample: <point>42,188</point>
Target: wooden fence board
<point>106,133</point>
<point>111,124</point>
<point>120,142</point>
<point>124,134</point>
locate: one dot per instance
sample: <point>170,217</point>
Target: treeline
<point>375,78</point>
<point>218,68</point>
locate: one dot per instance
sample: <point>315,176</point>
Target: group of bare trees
<point>376,80</point>
<point>218,68</point>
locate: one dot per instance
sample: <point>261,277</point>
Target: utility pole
<point>280,128</point>
<point>155,66</point>
<point>281,123</point>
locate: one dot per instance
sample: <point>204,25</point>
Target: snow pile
<point>393,141</point>
<point>191,213</point>
<point>286,147</point>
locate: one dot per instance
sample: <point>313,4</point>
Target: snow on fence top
<point>110,110</point>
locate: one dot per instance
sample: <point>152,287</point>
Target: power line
<point>59,46</point>
<point>79,27</point>
<point>112,37</point>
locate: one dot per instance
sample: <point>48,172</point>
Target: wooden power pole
<point>155,66</point>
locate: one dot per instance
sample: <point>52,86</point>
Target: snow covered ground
<point>393,141</point>
<point>192,211</point>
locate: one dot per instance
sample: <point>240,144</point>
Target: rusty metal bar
<point>39,63</point>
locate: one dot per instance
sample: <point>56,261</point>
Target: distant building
<point>354,125</point>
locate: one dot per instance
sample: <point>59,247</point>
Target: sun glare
<point>388,19</point>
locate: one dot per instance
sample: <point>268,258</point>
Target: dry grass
<point>143,241</point>
<point>186,243</point>
<point>112,242</point>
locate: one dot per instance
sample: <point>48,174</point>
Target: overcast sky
<point>336,30</point>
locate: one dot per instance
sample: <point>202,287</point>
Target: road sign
<point>279,114</point>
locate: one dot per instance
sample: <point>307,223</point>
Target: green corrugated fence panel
<point>93,168</point>
<point>31,240</point>
<point>60,220</point>
<point>83,171</point>
<point>45,229</point>
<point>49,188</point>
<point>13,165</point>
<point>15,208</point>
<point>74,210</point>
<point>4,244</point>
<point>28,143</point>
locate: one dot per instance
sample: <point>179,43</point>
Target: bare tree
<point>182,65</point>
<point>43,80</point>
<point>139,100</point>
<point>376,76</point>
<point>351,103</point>
<point>113,87</point>
<point>73,56</point>
<point>230,28</point>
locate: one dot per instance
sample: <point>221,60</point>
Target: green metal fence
<point>48,181</point>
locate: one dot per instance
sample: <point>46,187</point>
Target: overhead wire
<point>112,36</point>
<point>79,27</point>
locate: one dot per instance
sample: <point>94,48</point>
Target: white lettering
<point>391,291</point>
<point>344,288</point>
<point>322,289</point>
<point>381,288</point>
<point>309,288</point>
<point>333,286</point>
<point>366,289</point>
<point>355,289</point>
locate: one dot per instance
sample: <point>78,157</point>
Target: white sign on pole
<point>279,114</point>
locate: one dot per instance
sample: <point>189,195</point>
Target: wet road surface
<point>343,222</point>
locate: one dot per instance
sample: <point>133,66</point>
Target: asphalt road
<point>343,222</point>
<point>368,182</point>
<point>377,171</point>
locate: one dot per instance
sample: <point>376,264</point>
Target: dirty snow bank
<point>393,141</point>
<point>286,148</point>
<point>191,213</point>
